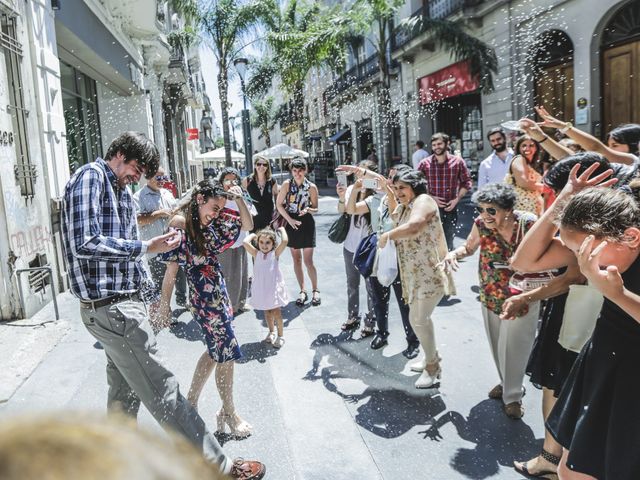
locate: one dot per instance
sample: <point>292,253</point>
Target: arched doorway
<point>620,49</point>
<point>553,73</point>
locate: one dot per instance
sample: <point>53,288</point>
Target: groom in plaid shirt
<point>448,181</point>
<point>104,263</point>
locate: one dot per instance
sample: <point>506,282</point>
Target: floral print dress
<point>495,253</point>
<point>210,303</point>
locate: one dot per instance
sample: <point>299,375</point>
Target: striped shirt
<point>100,235</point>
<point>445,179</point>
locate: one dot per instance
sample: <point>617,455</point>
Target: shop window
<point>25,171</point>
<point>79,100</point>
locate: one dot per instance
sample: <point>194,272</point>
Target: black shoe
<point>411,351</point>
<point>181,302</point>
<point>378,342</point>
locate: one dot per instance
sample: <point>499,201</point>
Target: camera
<point>371,183</point>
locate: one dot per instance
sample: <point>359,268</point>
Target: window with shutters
<point>25,171</point>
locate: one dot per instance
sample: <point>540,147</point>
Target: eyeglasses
<point>230,182</point>
<point>262,164</point>
<point>490,210</point>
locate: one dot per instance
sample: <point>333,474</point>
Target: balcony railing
<point>354,76</point>
<point>436,9</point>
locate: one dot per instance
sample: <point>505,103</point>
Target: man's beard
<point>500,148</point>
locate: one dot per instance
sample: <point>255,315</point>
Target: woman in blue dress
<point>210,229</point>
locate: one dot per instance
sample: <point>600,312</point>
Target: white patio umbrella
<point>280,152</point>
<point>218,154</point>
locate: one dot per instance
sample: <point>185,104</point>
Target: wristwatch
<point>567,126</point>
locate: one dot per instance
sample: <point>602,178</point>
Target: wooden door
<point>621,83</point>
<point>554,90</point>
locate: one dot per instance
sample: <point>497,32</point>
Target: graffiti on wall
<point>34,240</point>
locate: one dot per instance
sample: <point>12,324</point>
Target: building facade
<point>73,75</point>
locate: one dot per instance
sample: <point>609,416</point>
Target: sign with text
<point>453,80</point>
<point>192,134</point>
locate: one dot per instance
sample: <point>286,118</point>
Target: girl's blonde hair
<point>267,232</point>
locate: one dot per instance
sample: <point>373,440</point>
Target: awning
<point>314,136</point>
<point>341,136</point>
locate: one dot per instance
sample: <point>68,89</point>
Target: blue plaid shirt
<point>100,235</point>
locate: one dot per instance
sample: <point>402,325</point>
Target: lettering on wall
<point>27,242</point>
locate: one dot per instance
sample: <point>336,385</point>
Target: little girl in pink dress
<point>268,291</point>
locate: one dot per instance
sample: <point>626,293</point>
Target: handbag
<point>581,312</point>
<point>339,229</point>
<point>525,282</point>
<point>365,255</point>
<point>277,220</point>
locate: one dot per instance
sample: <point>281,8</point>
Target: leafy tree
<point>226,27</point>
<point>265,117</point>
<point>378,18</point>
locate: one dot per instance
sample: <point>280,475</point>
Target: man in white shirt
<point>419,154</point>
<point>154,207</point>
<point>495,167</point>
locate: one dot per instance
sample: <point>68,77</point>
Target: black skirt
<point>305,235</point>
<point>550,363</point>
<point>597,416</point>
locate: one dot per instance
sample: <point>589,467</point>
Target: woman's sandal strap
<point>550,457</point>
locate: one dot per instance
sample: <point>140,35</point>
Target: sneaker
<point>278,342</point>
<point>247,469</point>
<point>270,338</point>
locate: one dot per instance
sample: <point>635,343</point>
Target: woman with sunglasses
<point>263,190</point>
<point>497,231</point>
<point>297,202</point>
<point>235,266</point>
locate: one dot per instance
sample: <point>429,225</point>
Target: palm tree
<point>300,37</point>
<point>226,26</point>
<point>447,35</point>
<point>265,117</point>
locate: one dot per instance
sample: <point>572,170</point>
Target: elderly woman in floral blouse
<point>421,247</point>
<point>498,230</point>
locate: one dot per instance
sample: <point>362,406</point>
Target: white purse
<point>581,312</point>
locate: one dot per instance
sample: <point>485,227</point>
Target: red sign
<point>192,134</point>
<point>448,82</point>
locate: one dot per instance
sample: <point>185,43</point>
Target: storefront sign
<point>6,138</point>
<point>192,134</point>
<point>453,80</point>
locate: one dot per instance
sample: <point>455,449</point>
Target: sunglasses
<point>162,178</point>
<point>489,210</point>
<point>262,164</point>
<point>230,182</point>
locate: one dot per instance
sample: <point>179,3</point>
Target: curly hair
<point>269,233</point>
<point>414,178</point>
<point>208,189</point>
<point>501,195</point>
<point>136,146</point>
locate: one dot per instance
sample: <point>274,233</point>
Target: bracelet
<point>546,137</point>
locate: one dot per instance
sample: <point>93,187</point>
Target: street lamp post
<point>232,122</point>
<point>241,68</point>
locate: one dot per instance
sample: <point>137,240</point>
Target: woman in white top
<point>359,227</point>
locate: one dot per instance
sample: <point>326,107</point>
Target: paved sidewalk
<point>325,405</point>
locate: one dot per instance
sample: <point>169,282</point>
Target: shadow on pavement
<point>258,351</point>
<point>393,406</point>
<point>499,440</point>
<point>190,331</point>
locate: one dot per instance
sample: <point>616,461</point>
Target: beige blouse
<point>419,258</point>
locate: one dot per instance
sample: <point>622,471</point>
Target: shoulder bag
<point>365,255</point>
<point>339,229</point>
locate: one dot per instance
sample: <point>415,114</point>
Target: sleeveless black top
<point>262,201</point>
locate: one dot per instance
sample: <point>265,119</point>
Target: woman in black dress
<point>297,202</point>
<point>263,190</point>
<point>597,418</point>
